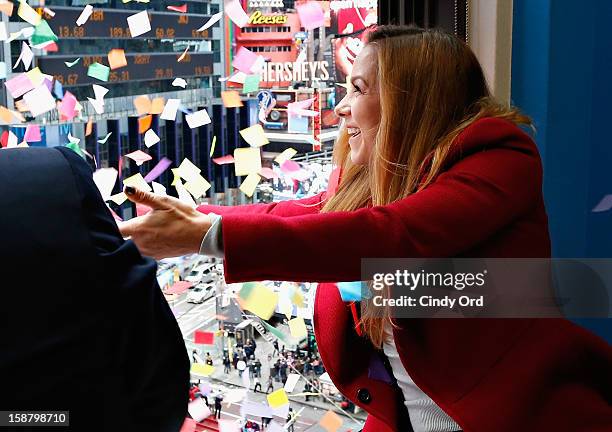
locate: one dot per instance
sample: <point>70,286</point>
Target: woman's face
<point>360,108</point>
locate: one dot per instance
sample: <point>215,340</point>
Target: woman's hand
<point>171,229</point>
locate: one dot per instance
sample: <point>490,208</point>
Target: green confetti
<point>75,148</point>
<point>278,334</point>
<point>251,84</point>
<point>99,71</point>
<point>43,33</point>
<point>72,63</point>
<point>246,289</point>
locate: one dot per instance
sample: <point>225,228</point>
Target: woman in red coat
<point>431,166</point>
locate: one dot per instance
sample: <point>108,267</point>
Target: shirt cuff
<point>212,243</point>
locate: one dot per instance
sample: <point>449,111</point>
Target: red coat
<point>487,374</point>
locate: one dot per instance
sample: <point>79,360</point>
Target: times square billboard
<point>298,57</point>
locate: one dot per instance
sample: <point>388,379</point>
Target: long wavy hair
<point>431,88</point>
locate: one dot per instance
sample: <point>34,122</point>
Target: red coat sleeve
<point>284,208</point>
<point>495,179</point>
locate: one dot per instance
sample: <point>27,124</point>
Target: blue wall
<point>562,77</point>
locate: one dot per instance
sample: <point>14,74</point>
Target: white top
<point>425,415</point>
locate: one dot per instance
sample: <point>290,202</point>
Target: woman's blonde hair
<point>431,88</point>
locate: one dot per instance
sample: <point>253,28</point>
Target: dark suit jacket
<point>83,324</point>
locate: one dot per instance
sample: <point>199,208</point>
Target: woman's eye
<point>356,88</point>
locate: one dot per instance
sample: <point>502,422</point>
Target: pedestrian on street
<point>270,385</point>
<point>257,384</point>
<point>276,350</point>
<point>235,359</point>
<point>290,420</point>
<point>257,368</point>
<point>209,360</point>
<point>227,364</point>
<point>218,399</point>
<point>307,389</point>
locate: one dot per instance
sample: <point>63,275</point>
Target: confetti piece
<point>158,189</point>
<point>158,169</point>
<point>211,21</point>
<point>5,115</point>
<point>182,56</point>
<point>188,170</point>
<point>7,8</point>
<point>247,160</point>
<point>89,127</point>
<point>32,133</point>
<point>204,337</point>
<point>278,398</point>
<point>311,15</point>
<point>233,9</point>
<point>251,84</point>
<point>25,57</point>
<point>231,99</point>
<point>116,58</point>
<point>349,291</point>
<point>85,14</point>
<point>19,85</point>
<point>197,186</point>
<point>138,182</point>
<point>36,76</point>
<point>28,14</point>
<point>268,173</point>
<point>105,179</point>
<point>259,299</point>
<point>67,107</point>
<point>212,146</point>
<point>170,109</point>
<point>139,157</point>
<point>285,155</point>
<point>198,118</point>
<point>244,60</point>
<point>331,421</point>
<point>72,63</point>
<point>255,136</point>
<point>179,82</point>
<point>43,35</point>
<point>119,198</point>
<point>250,183</point>
<point>604,205</point>
<point>290,166</point>
<point>157,105</point>
<point>39,101</point>
<point>197,408</point>
<point>103,140</point>
<point>144,123</point>
<point>151,138</point>
<point>292,380</point>
<point>183,195</point>
<point>139,23</point>
<point>142,104</point>
<point>98,71</point>
<point>98,105</point>
<point>181,9</point>
<point>297,328</point>
<point>75,148</point>
<point>223,160</point>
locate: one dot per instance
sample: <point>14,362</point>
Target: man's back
<point>83,325</point>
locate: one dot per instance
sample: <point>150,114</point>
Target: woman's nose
<point>343,108</point>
